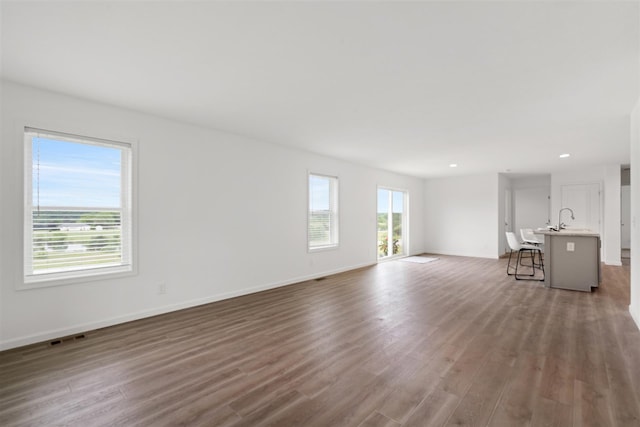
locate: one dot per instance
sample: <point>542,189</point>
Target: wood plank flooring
<point>451,342</point>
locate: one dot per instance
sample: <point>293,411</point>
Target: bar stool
<point>529,237</point>
<point>516,246</point>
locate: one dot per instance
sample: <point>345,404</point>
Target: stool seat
<point>528,236</point>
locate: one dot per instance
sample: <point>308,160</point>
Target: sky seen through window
<point>70,174</point>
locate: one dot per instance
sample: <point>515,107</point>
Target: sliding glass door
<point>392,222</point>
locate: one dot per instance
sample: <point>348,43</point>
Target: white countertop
<point>567,232</point>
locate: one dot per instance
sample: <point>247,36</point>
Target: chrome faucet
<point>560,224</point>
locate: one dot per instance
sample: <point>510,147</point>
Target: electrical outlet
<point>571,246</point>
<point>162,288</point>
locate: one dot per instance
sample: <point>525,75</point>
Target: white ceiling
<point>408,87</point>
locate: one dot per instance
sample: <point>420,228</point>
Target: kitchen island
<point>572,259</point>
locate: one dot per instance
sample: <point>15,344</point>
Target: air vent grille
<point>64,340</point>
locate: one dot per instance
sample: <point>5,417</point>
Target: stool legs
<point>539,265</point>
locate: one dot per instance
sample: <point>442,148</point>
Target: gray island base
<point>572,259</point>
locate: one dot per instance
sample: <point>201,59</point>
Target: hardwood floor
<point>451,342</point>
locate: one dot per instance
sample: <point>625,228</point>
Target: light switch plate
<point>571,246</point>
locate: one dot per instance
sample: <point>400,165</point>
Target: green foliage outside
<point>56,240</point>
<point>102,219</point>
<point>55,249</point>
<point>384,245</point>
<point>51,219</point>
<point>320,228</point>
<point>383,241</point>
<point>55,219</point>
<point>72,239</point>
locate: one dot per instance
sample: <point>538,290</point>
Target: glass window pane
<point>398,208</point>
<point>383,221</point>
<point>78,218</point>
<point>390,207</point>
<point>322,224</point>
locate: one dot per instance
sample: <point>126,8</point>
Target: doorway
<point>392,223</point>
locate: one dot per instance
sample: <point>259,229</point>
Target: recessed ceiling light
<point>453,165</point>
<point>564,156</point>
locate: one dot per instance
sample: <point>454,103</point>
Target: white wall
<point>461,215</point>
<point>634,307</point>
<point>531,203</point>
<point>625,216</point>
<point>219,215</point>
<point>612,215</point>
<point>531,207</point>
<point>609,182</point>
<point>531,181</point>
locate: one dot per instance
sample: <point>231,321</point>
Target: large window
<point>78,198</point>
<point>323,212</point>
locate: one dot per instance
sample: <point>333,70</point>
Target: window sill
<point>72,279</point>
<point>323,248</point>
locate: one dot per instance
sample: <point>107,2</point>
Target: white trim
<point>90,275</point>
<point>71,127</point>
<point>90,326</point>
<point>129,178</point>
<point>463,254</point>
<point>322,248</point>
<point>80,139</point>
<point>613,263</point>
<point>392,258</point>
<point>27,204</point>
<point>635,316</point>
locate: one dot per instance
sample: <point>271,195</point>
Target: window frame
<point>334,184</point>
<point>128,208</point>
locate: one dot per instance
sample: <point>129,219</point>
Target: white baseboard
<point>465,254</point>
<point>89,326</point>
<point>635,316</point>
<point>614,263</point>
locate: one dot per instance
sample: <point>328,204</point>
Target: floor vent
<point>319,279</point>
<point>70,338</point>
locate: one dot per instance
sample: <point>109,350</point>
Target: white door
<point>625,216</point>
<point>584,200</point>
